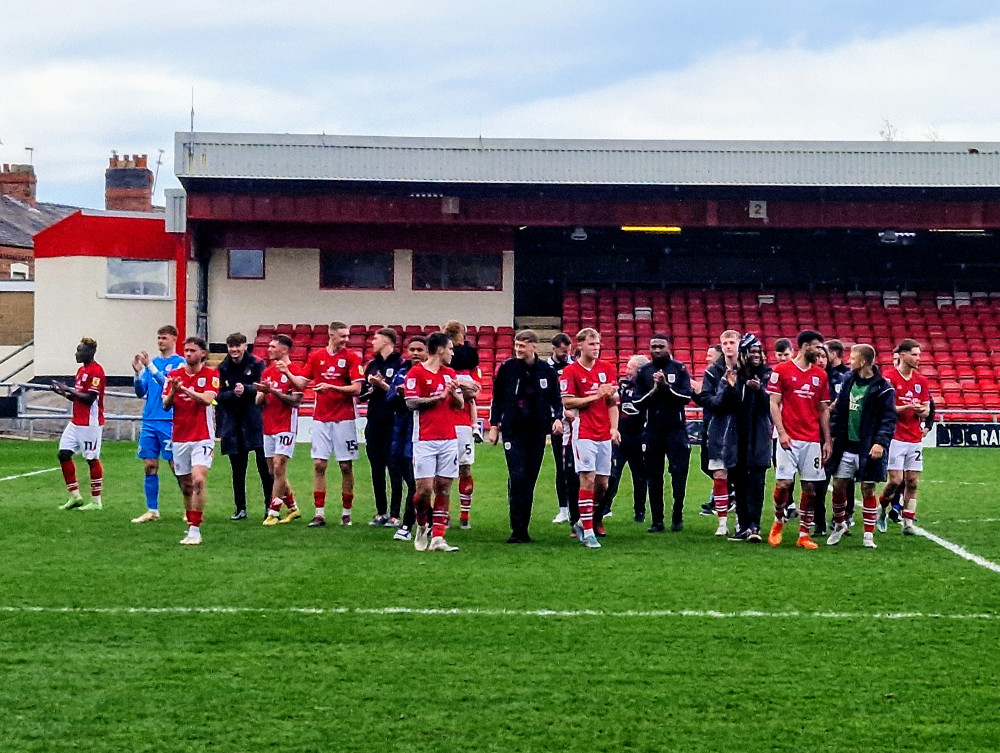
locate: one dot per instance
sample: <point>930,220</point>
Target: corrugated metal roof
<point>587,162</point>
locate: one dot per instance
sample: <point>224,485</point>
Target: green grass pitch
<point>340,639</point>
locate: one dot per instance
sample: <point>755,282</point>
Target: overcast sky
<point>80,79</point>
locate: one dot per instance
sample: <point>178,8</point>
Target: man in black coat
<point>526,408</point>
<point>240,427</point>
<point>378,427</point>
<point>861,425</point>
<point>742,425</point>
<point>664,386</point>
<point>631,420</point>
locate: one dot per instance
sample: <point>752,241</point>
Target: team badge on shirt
<point>917,388</point>
<point>815,381</point>
<point>563,384</point>
<point>411,384</point>
<point>201,381</point>
<point>671,378</point>
<point>602,377</point>
<point>774,377</point>
<point>341,363</point>
<point>543,383</point>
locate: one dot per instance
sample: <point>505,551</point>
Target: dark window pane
<point>246,263</point>
<point>346,269</point>
<point>457,271</point>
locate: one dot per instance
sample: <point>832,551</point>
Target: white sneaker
<point>193,537</point>
<point>723,527</point>
<point>869,541</point>
<point>147,516</point>
<point>591,542</point>
<point>420,539</point>
<point>402,535</point>
<point>839,529</point>
<point>563,516</point>
<point>438,544</point>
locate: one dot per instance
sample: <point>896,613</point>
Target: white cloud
<point>947,78</point>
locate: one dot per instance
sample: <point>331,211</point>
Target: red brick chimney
<point>128,184</point>
<point>18,181</point>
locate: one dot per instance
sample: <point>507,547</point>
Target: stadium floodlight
<point>578,234</point>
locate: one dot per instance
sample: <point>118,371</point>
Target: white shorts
<point>591,455</point>
<point>906,456</point>
<point>335,438</point>
<point>435,457</point>
<point>189,454</point>
<point>279,444</point>
<point>85,440</point>
<point>466,445</point>
<point>716,465</point>
<point>803,458</point>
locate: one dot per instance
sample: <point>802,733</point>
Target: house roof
<point>356,159</point>
<point>19,221</point>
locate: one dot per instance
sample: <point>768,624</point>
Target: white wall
<point>70,303</point>
<point>290,293</point>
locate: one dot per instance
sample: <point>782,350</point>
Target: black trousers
<point>378,448</point>
<point>572,483</point>
<point>747,483</point>
<point>629,452</point>
<point>404,467</point>
<point>524,452</point>
<point>239,461</point>
<point>559,450</point>
<point>675,448</point>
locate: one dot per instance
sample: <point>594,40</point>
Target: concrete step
<point>538,323</point>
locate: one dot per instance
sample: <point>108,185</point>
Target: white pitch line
<point>955,483</point>
<point>471,612</point>
<point>30,473</point>
<point>959,550</point>
<point>969,520</point>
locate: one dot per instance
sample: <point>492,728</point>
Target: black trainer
<point>640,517</point>
<point>656,528</point>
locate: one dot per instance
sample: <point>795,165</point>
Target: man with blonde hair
<point>589,387</point>
<point>465,362</point>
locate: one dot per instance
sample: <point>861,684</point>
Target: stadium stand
<point>959,332</point>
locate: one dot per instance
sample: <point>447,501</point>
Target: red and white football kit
<point>281,420</point>
<point>592,428</point>
<point>906,447</point>
<point>194,422</point>
<point>435,447</point>
<point>334,431</point>
<point>84,431</point>
<point>803,392</point>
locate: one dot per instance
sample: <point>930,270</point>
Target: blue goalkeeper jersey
<point>149,382</point>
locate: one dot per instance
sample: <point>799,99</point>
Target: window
<point>138,278</point>
<point>371,270</point>
<point>19,271</point>
<point>246,264</point>
<point>457,271</point>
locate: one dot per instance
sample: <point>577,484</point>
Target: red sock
<point>441,503</point>
<point>69,475</point>
<point>319,500</point>
<point>465,487</point>
<point>275,505</point>
<point>869,513</point>
<point>806,512</point>
<point>195,517</point>
<point>720,496</point>
<point>289,500</point>
<point>839,506</point>
<point>587,509</point>
<point>421,508</point>
<point>780,503</point>
<point>347,498</point>
<point>96,477</point>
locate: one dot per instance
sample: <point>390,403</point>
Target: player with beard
<point>800,409</point>
<point>567,483</point>
<point>630,424</point>
<point>862,424</point>
<point>84,431</point>
<point>401,450</point>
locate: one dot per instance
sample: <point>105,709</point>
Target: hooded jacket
<point>878,420</point>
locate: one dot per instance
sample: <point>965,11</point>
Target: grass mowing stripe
<point>468,612</point>
<point>30,473</point>
<point>959,550</point>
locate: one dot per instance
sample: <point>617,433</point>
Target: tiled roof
<point>19,222</point>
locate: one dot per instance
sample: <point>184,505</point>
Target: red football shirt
<point>90,379</point>
<point>341,368</point>
<point>438,421</point>
<point>912,391</point>
<point>578,381</point>
<point>462,415</point>
<point>193,420</point>
<point>279,416</point>
<point>802,394</point>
